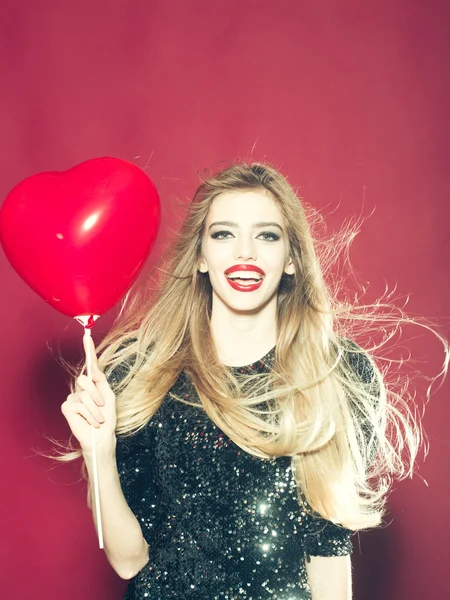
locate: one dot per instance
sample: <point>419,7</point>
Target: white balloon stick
<point>85,320</point>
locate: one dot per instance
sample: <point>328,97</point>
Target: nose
<point>245,248</point>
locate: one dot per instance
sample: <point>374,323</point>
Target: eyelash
<point>218,235</point>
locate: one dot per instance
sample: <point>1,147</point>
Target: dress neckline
<point>259,365</point>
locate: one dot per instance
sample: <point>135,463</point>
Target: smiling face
<point>245,249</point>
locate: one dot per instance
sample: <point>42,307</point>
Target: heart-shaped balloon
<point>80,237</point>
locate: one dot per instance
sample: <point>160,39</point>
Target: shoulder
<point>357,364</point>
<point>121,363</point>
<point>364,390</point>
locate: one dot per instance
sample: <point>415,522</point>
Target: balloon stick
<point>88,322</point>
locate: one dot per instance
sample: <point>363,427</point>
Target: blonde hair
<point>325,402</point>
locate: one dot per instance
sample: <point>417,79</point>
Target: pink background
<point>349,99</point>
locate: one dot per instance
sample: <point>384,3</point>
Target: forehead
<point>244,207</point>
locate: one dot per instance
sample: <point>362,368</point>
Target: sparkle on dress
<point>220,523</point>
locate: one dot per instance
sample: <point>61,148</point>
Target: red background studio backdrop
<point>349,99</point>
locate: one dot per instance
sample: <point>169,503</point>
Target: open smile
<point>245,278</point>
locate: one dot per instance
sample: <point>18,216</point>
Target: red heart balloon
<point>80,237</point>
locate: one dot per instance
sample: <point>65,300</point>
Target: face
<point>245,249</point>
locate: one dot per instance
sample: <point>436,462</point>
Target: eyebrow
<point>255,225</point>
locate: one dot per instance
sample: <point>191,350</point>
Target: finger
<point>85,384</point>
<point>79,409</point>
<point>87,400</point>
<point>71,398</point>
<point>97,374</point>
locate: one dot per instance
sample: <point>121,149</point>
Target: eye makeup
<point>267,236</point>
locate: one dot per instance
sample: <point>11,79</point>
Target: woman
<point>241,437</point>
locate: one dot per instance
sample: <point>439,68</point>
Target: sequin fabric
<point>220,523</point>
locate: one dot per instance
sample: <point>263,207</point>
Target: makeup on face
<point>266,235</point>
<point>245,249</point>
<point>245,277</point>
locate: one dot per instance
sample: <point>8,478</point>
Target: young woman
<point>241,435</point>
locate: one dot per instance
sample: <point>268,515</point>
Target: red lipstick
<point>245,284</point>
<point>246,267</point>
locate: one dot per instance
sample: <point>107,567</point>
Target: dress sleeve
<point>136,469</point>
<point>324,538</point>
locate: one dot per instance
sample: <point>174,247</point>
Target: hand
<point>92,405</point>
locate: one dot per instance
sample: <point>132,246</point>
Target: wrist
<point>106,450</point>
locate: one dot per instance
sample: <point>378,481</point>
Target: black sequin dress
<point>220,523</point>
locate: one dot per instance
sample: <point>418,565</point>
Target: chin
<point>245,304</point>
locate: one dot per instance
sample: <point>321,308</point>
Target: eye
<point>221,235</point>
<point>269,236</point>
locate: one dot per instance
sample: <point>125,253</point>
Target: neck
<point>242,338</point>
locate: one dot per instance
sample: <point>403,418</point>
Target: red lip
<point>240,287</point>
<point>245,287</point>
<point>246,267</point>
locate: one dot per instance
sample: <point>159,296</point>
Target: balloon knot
<point>91,322</point>
<point>88,321</point>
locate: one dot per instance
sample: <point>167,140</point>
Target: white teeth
<point>245,275</point>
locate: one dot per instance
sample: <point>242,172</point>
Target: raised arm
<point>93,404</point>
<point>124,544</point>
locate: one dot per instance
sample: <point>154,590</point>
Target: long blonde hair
<point>325,402</point>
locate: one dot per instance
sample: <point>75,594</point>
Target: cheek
<point>277,261</point>
<point>217,256</point>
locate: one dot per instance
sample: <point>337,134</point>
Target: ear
<point>202,266</point>
<point>289,269</point>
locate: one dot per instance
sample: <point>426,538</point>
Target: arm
<point>94,405</point>
<point>327,549</point>
<point>125,546</point>
<point>330,577</point>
